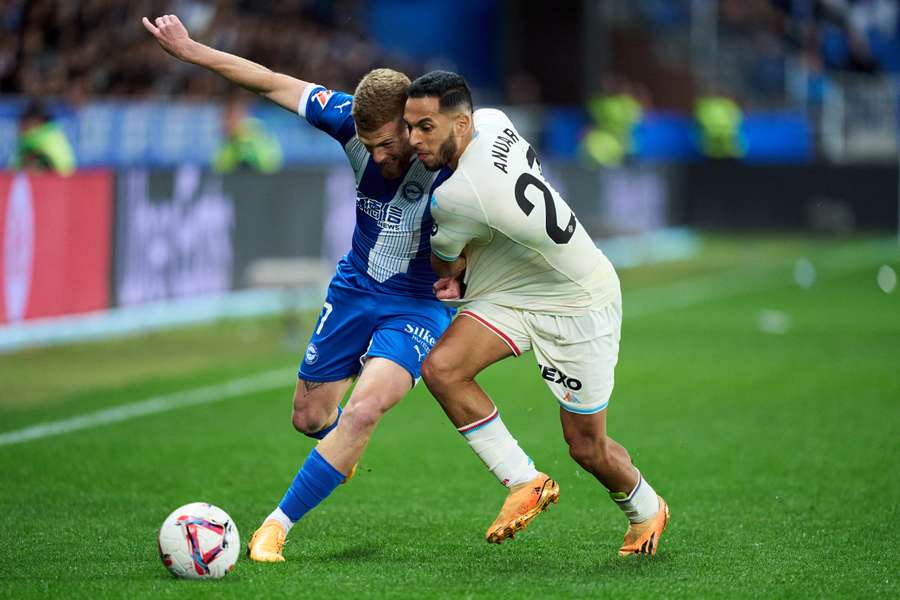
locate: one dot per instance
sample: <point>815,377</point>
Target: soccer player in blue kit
<point>380,318</point>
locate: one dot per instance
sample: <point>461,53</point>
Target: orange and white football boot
<point>524,502</point>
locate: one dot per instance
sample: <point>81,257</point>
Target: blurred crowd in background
<point>646,114</point>
<point>612,80</point>
<point>88,48</point>
<point>98,47</point>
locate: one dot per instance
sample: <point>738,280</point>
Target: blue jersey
<point>391,241</point>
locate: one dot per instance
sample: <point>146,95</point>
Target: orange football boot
<point>267,542</point>
<point>524,502</point>
<point>643,538</point>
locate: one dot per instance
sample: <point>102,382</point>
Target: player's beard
<point>444,155</point>
<point>392,169</point>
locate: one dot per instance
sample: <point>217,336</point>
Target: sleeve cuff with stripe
<point>304,99</point>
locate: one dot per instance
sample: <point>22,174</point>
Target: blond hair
<point>379,98</point>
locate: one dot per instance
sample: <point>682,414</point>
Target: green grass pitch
<point>767,414</point>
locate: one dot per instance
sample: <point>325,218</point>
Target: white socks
<point>641,504</point>
<point>498,449</point>
<point>282,518</point>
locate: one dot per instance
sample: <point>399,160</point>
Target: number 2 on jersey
<point>526,180</point>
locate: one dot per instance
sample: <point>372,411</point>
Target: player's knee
<point>363,414</point>
<point>439,370</point>
<point>307,419</point>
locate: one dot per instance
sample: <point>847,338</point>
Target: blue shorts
<point>358,322</point>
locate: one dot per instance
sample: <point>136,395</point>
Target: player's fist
<point>447,288</point>
<point>171,35</point>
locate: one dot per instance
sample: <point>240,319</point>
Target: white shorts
<point>576,355</point>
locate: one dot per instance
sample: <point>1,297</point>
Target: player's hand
<point>447,288</point>
<point>171,34</point>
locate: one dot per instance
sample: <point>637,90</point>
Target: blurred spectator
<point>42,145</point>
<point>246,143</point>
<point>719,119</point>
<point>99,47</point>
<point>614,115</point>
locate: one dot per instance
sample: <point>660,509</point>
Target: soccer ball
<point>199,541</point>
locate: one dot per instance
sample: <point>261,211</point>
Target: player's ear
<point>463,122</point>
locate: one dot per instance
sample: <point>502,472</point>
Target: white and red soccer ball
<point>199,541</point>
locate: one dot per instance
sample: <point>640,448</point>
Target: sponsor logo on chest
<point>388,216</point>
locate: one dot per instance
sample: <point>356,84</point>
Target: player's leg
<point>474,341</point>
<point>382,384</point>
<point>331,358</point>
<point>316,412</point>
<point>610,463</point>
<point>317,406</point>
<point>329,363</point>
<point>577,356</point>
<point>405,335</point>
<point>392,363</point>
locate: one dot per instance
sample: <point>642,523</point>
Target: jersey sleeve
<point>329,111</point>
<point>458,220</point>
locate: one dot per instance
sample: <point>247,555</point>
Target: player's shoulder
<point>494,142</point>
<point>456,189</point>
<point>317,98</point>
<point>492,118</point>
<point>329,111</point>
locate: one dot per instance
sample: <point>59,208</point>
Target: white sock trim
<point>499,451</point>
<point>278,515</point>
<point>466,429</point>
<point>641,504</point>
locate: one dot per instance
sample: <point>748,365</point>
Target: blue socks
<point>313,483</point>
<point>320,435</point>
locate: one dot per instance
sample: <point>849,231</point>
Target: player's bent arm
<point>173,37</point>
<point>452,269</point>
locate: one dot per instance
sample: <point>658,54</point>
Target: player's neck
<point>464,141</point>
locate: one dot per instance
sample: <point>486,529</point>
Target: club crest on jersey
<point>312,354</point>
<point>434,228</point>
<point>322,97</point>
<point>413,190</point>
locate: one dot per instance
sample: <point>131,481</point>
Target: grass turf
<point>775,445</point>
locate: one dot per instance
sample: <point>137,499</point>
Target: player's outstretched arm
<point>173,37</point>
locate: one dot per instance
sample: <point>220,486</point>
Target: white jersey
<point>523,245</point>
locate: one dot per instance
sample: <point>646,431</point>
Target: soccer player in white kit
<point>526,275</point>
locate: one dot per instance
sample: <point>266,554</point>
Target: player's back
<point>536,255</point>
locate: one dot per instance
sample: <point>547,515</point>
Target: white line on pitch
<point>157,404</point>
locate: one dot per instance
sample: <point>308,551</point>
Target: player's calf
<point>604,459</point>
